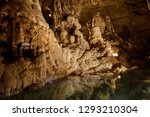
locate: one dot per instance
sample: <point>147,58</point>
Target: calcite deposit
<point>46,40</point>
<point>30,52</point>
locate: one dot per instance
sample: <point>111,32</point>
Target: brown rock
<point>31,43</point>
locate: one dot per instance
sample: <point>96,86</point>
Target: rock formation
<point>45,40</point>
<point>30,52</point>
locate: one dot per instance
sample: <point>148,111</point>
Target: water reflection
<point>132,85</point>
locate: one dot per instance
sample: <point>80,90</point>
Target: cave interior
<point>74,49</point>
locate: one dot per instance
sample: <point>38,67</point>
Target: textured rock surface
<point>44,40</point>
<point>30,52</point>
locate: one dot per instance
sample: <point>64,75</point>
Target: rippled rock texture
<point>46,40</point>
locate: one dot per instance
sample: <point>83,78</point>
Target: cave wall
<point>44,40</point>
<point>30,53</point>
<point>129,17</point>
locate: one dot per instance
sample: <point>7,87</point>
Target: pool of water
<point>133,85</point>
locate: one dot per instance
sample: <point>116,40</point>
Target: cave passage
<point>75,49</point>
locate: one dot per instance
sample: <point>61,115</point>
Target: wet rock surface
<point>71,47</point>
